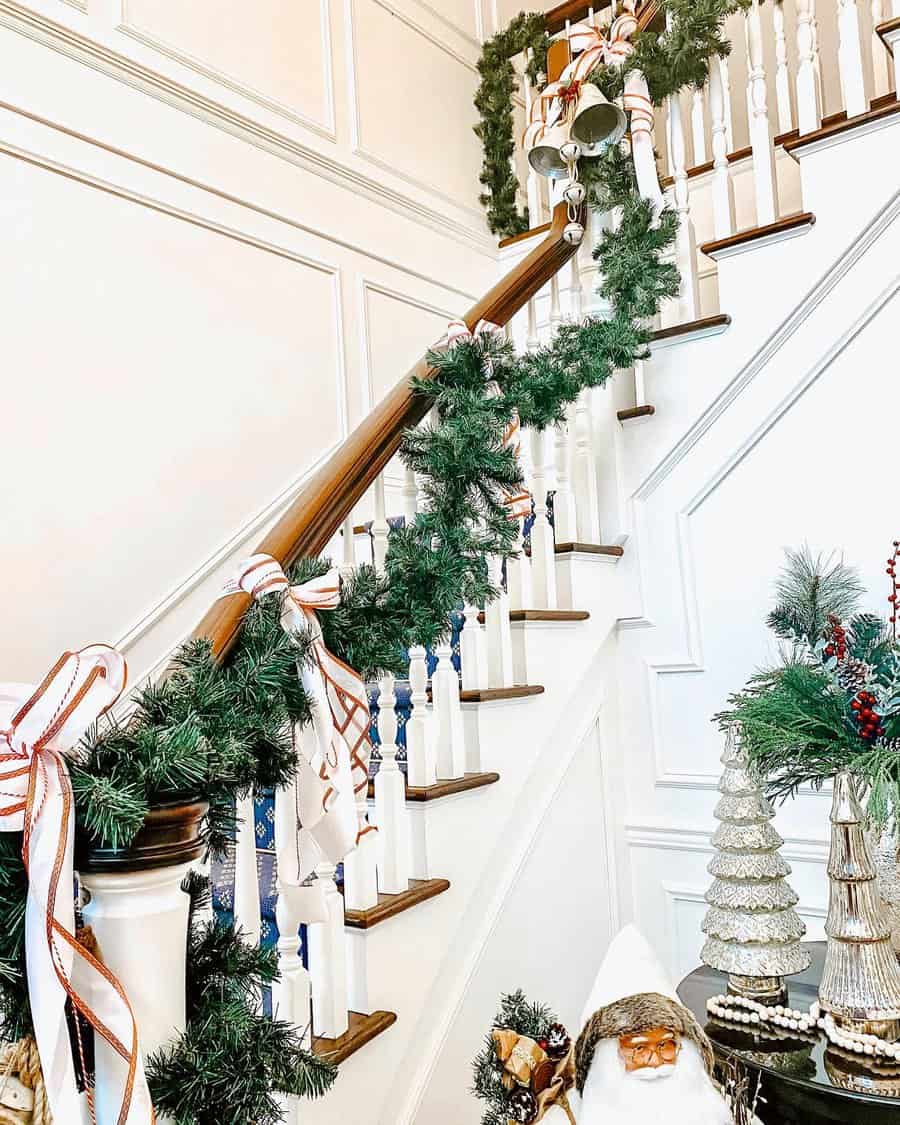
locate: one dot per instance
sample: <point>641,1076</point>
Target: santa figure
<point>641,1057</point>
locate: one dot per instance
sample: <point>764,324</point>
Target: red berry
<point>856,705</point>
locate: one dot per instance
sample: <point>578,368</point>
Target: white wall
<point>228,229</point>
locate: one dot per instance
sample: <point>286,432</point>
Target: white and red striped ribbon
<point>335,759</point>
<point>38,728</point>
<point>458,331</point>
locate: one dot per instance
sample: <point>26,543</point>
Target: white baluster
<point>725,75</point>
<point>472,651</point>
<point>328,960</point>
<point>499,635</point>
<point>451,747</point>
<point>809,101</point>
<point>555,310</point>
<point>379,524</point>
<point>409,495</point>
<point>564,519</point>
<point>587,267</point>
<point>575,302</point>
<point>698,127</point>
<point>722,187</point>
<point>348,548</point>
<point>390,800</point>
<point>685,240</point>
<point>292,993</point>
<point>758,118</point>
<point>850,59</point>
<point>360,878</point>
<point>881,82</point>
<point>782,76</point>
<point>532,341</point>
<point>246,877</point>
<point>587,517</point>
<point>543,558</point>
<point>421,761</point>
<point>518,575</point>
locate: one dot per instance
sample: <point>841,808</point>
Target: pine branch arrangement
<point>834,701</point>
<point>231,1061</point>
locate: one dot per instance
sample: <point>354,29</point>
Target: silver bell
<point>573,233</point>
<point>598,122</point>
<point>545,157</point>
<point>573,193</point>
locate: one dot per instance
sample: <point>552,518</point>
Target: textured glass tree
<point>753,932</point>
<point>861,980</point>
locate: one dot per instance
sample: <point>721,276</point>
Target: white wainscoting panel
<point>275,54</point>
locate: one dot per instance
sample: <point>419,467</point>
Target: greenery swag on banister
<point>219,724</point>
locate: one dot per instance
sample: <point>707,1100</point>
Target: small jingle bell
<point>573,193</point>
<point>573,233</point>
<point>570,151</point>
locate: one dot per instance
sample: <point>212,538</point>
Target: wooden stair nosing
<point>720,320</point>
<point>635,412</point>
<point>780,226</point>
<point>362,1030</point>
<point>389,906</point>
<point>543,615</point>
<point>493,695</point>
<point>589,549</point>
<point>884,29</point>
<point>423,793</point>
<point>879,108</point>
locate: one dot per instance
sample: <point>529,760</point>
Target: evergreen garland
<point>670,59</point>
<point>231,1061</point>
<point>494,102</point>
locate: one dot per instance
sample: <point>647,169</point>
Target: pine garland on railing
<point>672,58</point>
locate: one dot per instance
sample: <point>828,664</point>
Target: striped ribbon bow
<point>335,751</point>
<point>458,331</point>
<point>38,728</point>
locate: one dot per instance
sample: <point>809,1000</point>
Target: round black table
<point>804,1080</point>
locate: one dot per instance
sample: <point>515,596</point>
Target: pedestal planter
<point>139,915</point>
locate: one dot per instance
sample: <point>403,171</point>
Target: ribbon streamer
<point>335,750</point>
<point>39,727</point>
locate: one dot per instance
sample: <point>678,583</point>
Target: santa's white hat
<point>629,967</point>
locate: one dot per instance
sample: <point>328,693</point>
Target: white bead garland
<point>740,1009</point>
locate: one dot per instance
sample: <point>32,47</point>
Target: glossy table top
<point>804,1079</point>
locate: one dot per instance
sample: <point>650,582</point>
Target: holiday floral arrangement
<point>834,701</point>
<point>527,1064</point>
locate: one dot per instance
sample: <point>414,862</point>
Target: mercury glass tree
<point>861,979</point>
<point>753,932</point>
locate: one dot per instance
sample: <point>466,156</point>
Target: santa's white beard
<point>679,1095</point>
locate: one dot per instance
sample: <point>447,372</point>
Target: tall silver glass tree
<point>753,932</point>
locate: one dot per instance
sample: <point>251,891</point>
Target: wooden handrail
<point>328,498</point>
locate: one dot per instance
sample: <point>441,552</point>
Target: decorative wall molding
<point>379,160</point>
<point>229,197</point>
<point>325,128</point>
<point>70,43</point>
<point>477,39</point>
<point>658,836</point>
<point>367,286</point>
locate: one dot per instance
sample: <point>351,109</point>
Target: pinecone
<point>522,1105</point>
<point>853,674</point>
<point>557,1041</point>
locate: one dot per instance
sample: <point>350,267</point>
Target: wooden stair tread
<point>544,615</point>
<point>879,108</point>
<point>420,793</point>
<point>635,412</point>
<point>589,549</point>
<point>362,1030</point>
<point>886,28</point>
<point>448,788</point>
<point>780,226</point>
<point>419,890</point>
<point>492,695</point>
<point>720,320</point>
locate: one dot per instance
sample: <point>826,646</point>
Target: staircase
<point>539,785</point>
